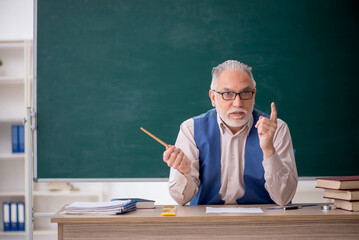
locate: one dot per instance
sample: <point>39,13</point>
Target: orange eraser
<point>168,211</point>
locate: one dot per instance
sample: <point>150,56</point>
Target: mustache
<point>238,110</point>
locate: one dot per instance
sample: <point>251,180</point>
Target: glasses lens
<point>246,95</point>
<point>228,95</point>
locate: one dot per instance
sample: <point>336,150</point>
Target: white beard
<point>235,123</point>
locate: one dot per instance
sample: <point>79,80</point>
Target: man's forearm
<point>281,181</point>
<point>182,188</point>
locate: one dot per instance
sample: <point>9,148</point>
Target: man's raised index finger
<point>273,115</point>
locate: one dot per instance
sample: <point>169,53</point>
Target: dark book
<point>141,203</point>
<point>346,182</point>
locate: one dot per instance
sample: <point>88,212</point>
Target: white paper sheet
<point>234,210</point>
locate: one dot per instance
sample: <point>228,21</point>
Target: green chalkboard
<point>105,68</point>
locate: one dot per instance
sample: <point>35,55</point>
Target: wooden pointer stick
<point>156,138</point>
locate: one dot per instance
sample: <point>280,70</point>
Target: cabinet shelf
<point>11,156</point>
<point>10,120</point>
<point>12,44</point>
<point>11,80</point>
<point>65,194</point>
<point>13,233</point>
<point>12,194</point>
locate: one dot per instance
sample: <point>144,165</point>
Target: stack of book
<point>100,208</point>
<point>344,191</point>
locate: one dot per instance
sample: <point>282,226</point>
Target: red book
<point>352,206</point>
<point>349,195</point>
<point>345,182</point>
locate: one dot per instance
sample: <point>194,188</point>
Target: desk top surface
<point>198,214</point>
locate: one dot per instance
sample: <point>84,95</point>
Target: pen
<point>293,207</point>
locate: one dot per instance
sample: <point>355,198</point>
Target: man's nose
<point>237,102</point>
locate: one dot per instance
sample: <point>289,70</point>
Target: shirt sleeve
<point>280,169</point>
<point>183,187</point>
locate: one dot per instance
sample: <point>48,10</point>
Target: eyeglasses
<point>245,95</point>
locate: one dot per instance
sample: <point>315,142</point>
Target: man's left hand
<point>266,129</point>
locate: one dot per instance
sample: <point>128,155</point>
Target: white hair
<point>231,65</point>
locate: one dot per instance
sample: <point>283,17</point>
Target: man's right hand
<point>175,158</point>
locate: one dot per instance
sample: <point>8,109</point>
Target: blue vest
<point>207,138</point>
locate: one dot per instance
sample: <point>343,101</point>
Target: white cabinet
<point>15,84</point>
<point>15,96</point>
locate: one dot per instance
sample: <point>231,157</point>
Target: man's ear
<point>254,96</point>
<point>212,96</point>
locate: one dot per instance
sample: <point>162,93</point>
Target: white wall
<point>158,191</point>
<point>16,22</point>
<point>308,193</point>
<point>16,19</point>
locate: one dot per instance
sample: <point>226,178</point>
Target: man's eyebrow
<point>227,90</point>
<point>248,88</point>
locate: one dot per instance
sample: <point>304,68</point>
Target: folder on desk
<point>14,138</point>
<point>104,208</point>
<point>6,216</point>
<point>13,218</point>
<point>21,139</point>
<point>21,216</point>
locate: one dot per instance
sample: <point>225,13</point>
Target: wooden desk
<point>192,222</point>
